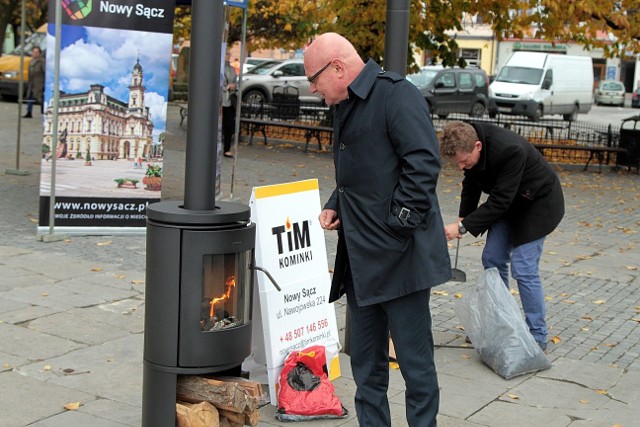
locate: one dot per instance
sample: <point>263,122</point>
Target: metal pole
<point>23,18</point>
<point>54,129</point>
<point>236,134</point>
<point>396,38</point>
<point>207,23</point>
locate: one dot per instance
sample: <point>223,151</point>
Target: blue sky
<point>90,55</point>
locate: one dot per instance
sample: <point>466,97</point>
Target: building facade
<point>102,125</point>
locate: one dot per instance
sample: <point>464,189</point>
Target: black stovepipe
<point>207,24</point>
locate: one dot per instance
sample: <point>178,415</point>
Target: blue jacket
<point>387,163</point>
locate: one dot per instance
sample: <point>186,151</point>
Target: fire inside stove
<point>225,297</point>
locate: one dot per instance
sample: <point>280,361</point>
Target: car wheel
<point>537,115</point>
<point>477,110</point>
<point>572,116</point>
<point>254,103</point>
<point>254,97</point>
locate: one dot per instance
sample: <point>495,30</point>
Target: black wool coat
<point>522,187</point>
<point>386,158</point>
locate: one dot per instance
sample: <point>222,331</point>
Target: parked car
<point>259,82</point>
<point>453,90</point>
<point>610,92</point>
<point>635,98</point>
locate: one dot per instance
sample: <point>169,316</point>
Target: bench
<point>310,131</point>
<point>597,151</point>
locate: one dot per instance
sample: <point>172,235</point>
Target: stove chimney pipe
<point>207,24</point>
<point>396,36</point>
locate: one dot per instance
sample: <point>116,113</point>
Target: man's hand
<point>329,219</point>
<point>451,231</point>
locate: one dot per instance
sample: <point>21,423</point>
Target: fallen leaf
<point>120,276</point>
<point>584,329</point>
<point>458,295</point>
<point>72,406</point>
<point>443,293</point>
<point>603,392</point>
<point>466,356</point>
<point>44,294</point>
<point>583,401</point>
<point>636,319</point>
<point>513,292</point>
<point>568,301</point>
<point>609,345</point>
<point>548,298</point>
<point>104,243</point>
<point>600,301</point>
<point>137,282</point>
<point>6,365</point>
<point>555,339</point>
<point>96,269</point>
<point>46,368</point>
<point>631,267</point>
<point>552,253</point>
<point>564,294</point>
<point>513,396</point>
<point>587,318</point>
<point>394,365</point>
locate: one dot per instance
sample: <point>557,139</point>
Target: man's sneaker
<point>543,346</point>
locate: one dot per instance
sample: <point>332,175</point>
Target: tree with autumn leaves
<point>613,25</point>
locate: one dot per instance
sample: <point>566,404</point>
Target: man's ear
<point>478,145</point>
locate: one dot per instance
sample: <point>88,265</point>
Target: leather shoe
<point>27,116</point>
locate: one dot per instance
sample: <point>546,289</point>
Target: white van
<point>535,84</point>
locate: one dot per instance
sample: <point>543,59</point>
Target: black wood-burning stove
<point>198,299</point>
<point>199,280</point>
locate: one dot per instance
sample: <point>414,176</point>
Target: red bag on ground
<point>305,390</point>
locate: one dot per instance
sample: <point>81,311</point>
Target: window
<point>471,56</point>
<point>480,80</point>
<point>465,81</point>
<point>447,80</point>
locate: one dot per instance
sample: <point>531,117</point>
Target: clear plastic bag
<point>495,326</point>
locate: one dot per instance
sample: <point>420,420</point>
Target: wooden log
<point>253,388</point>
<point>223,395</point>
<point>234,417</point>
<point>202,414</point>
<point>252,418</point>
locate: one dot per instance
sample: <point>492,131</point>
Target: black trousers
<point>408,319</point>
<point>228,126</point>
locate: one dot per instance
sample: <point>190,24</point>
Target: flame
<point>287,224</point>
<point>229,284</point>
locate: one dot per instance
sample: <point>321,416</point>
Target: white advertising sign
<point>290,246</point>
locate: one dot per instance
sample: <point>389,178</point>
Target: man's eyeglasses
<point>313,78</point>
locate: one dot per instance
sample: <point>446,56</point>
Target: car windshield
<point>527,76</point>
<point>264,68</point>
<point>423,78</point>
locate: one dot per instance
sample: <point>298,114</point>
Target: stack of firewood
<point>222,402</point>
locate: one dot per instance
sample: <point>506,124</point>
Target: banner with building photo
<point>114,70</point>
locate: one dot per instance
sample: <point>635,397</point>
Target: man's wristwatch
<point>461,229</point>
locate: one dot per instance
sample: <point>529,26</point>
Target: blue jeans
<point>525,260</point>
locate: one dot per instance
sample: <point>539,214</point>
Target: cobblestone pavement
<point>590,266</point>
<point>79,303</point>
